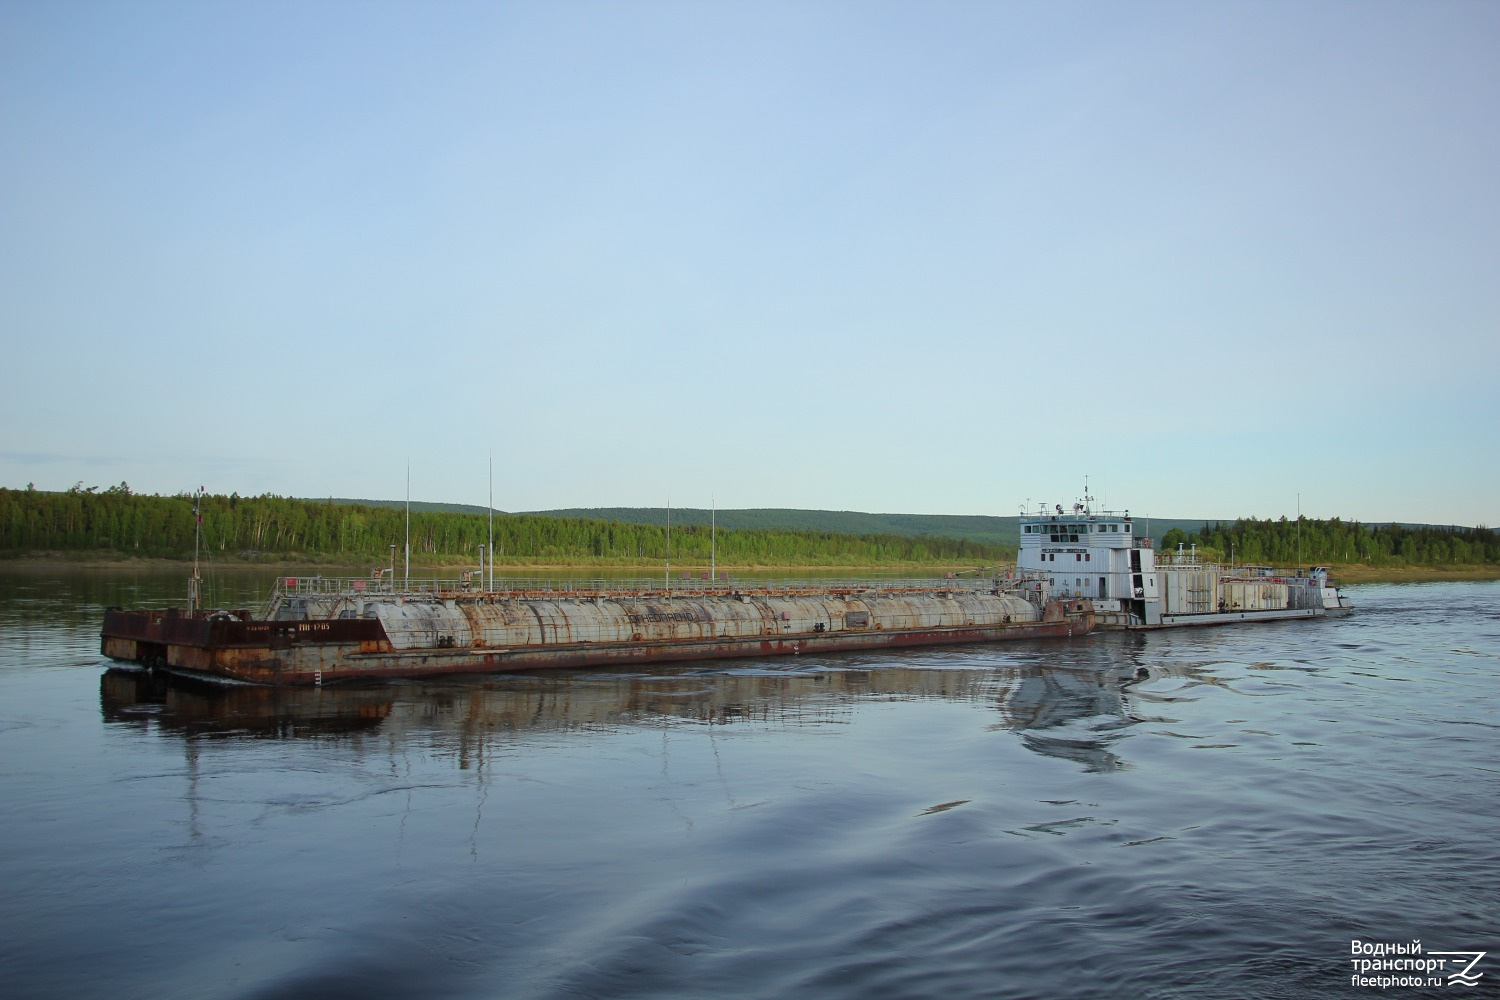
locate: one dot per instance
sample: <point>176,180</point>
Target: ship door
<point>1103,587</point>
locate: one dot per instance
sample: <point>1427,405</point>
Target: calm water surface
<point>1201,813</point>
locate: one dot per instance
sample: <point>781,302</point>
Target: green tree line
<point>116,520</point>
<point>1306,541</point>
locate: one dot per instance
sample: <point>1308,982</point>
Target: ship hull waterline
<point>1109,622</point>
<point>190,650</point>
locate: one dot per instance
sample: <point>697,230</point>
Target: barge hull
<point>321,652</point>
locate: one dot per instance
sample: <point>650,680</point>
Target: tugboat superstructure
<point>1103,557</point>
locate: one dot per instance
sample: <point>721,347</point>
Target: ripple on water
<point>1178,815</point>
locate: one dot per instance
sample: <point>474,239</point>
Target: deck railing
<point>303,586</point>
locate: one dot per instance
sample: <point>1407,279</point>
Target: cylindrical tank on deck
<point>504,622</point>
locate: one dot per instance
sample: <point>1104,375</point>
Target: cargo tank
<point>316,631</point>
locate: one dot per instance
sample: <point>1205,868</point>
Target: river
<point>1193,813</point>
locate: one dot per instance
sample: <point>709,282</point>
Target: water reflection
<point>1072,703</point>
<point>1078,706</point>
<point>151,702</point>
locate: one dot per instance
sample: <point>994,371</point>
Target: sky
<point>1225,259</point>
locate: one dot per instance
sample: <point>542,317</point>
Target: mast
<point>492,522</point>
<point>668,577</point>
<point>194,593</point>
<point>713,540</point>
<point>406,583</point>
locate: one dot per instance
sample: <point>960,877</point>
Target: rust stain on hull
<point>232,646</point>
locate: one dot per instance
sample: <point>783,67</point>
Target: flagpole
<point>492,521</point>
<point>406,585</point>
<point>194,592</point>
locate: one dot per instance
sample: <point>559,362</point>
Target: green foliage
<point>116,520</point>
<point>119,521</point>
<point>1173,538</point>
<point>1282,542</point>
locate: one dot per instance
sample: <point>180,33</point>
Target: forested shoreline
<point>1302,541</point>
<point>117,523</point>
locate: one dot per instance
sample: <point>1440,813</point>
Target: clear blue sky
<point>919,257</point>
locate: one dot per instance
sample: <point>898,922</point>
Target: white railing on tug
<point>1181,557</point>
<point>1057,512</point>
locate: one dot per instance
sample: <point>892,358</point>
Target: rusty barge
<point>317,631</point>
<point>1076,570</point>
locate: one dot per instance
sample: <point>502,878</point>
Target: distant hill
<point>977,527</point>
<point>442,508</point>
<point>983,528</point>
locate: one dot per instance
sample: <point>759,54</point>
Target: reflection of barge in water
<point>1073,706</point>
<point>318,630</point>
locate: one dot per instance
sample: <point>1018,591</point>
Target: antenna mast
<point>406,584</point>
<point>194,592</point>
<point>492,522</point>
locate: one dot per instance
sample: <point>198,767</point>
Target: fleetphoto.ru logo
<point>1382,964</point>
